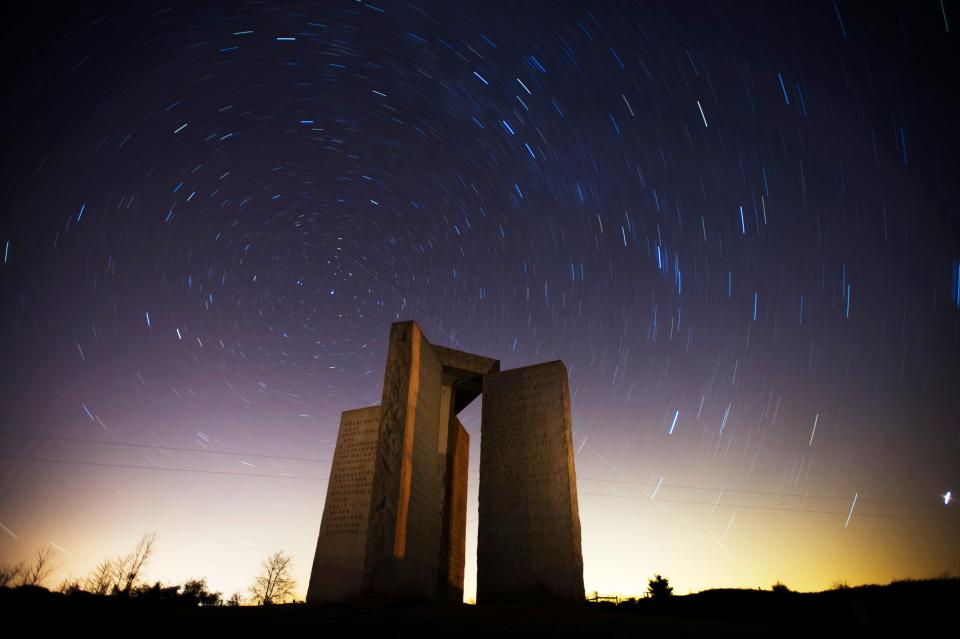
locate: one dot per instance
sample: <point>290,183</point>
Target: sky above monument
<point>736,224</point>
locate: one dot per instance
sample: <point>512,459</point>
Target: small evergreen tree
<point>659,587</point>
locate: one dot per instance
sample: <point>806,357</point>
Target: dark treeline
<point>120,578</point>
<point>914,604</point>
<point>902,601</point>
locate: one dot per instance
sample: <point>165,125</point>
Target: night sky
<point>735,223</point>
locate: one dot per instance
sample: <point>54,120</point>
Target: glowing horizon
<point>684,532</point>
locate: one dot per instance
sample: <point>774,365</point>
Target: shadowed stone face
<point>528,545</point>
<point>341,547</point>
<point>394,525</point>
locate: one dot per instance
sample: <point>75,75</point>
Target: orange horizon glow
<point>222,527</point>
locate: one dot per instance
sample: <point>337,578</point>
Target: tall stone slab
<point>402,557</point>
<point>453,539</point>
<point>341,546</point>
<point>528,545</point>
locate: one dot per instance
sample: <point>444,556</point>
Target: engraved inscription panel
<point>529,528</point>
<point>338,563</point>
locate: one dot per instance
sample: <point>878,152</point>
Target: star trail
<point>735,223</point>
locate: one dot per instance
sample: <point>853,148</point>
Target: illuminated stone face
<point>394,524</point>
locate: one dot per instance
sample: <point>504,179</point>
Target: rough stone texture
<point>341,546</point>
<point>464,372</point>
<point>453,542</point>
<point>402,558</point>
<point>421,556</point>
<point>394,525</point>
<point>528,543</point>
<point>461,360</point>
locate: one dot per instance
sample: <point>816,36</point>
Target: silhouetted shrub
<point>195,593</point>
<point>659,587</point>
<point>155,593</point>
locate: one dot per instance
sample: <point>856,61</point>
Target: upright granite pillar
<point>341,546</point>
<point>402,556</point>
<point>453,516</point>
<point>528,545</point>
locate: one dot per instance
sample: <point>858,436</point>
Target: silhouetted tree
<point>235,600</point>
<point>10,574</point>
<point>275,583</point>
<point>779,587</point>
<point>102,577</point>
<point>127,569</point>
<point>35,573</point>
<point>195,593</point>
<point>154,594</point>
<point>70,586</point>
<point>659,587</point>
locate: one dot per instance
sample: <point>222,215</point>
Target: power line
<point>180,470</point>
<point>157,447</point>
<point>765,492</point>
<point>755,507</point>
<point>325,461</point>
<point>715,489</point>
<point>642,499</point>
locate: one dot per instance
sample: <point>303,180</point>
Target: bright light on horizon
<point>222,528</point>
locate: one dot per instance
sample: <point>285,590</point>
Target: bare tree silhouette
<point>37,572</point>
<point>127,568</point>
<point>69,586</point>
<point>101,578</point>
<point>11,574</point>
<point>275,583</point>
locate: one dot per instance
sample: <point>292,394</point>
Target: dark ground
<point>915,605</point>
